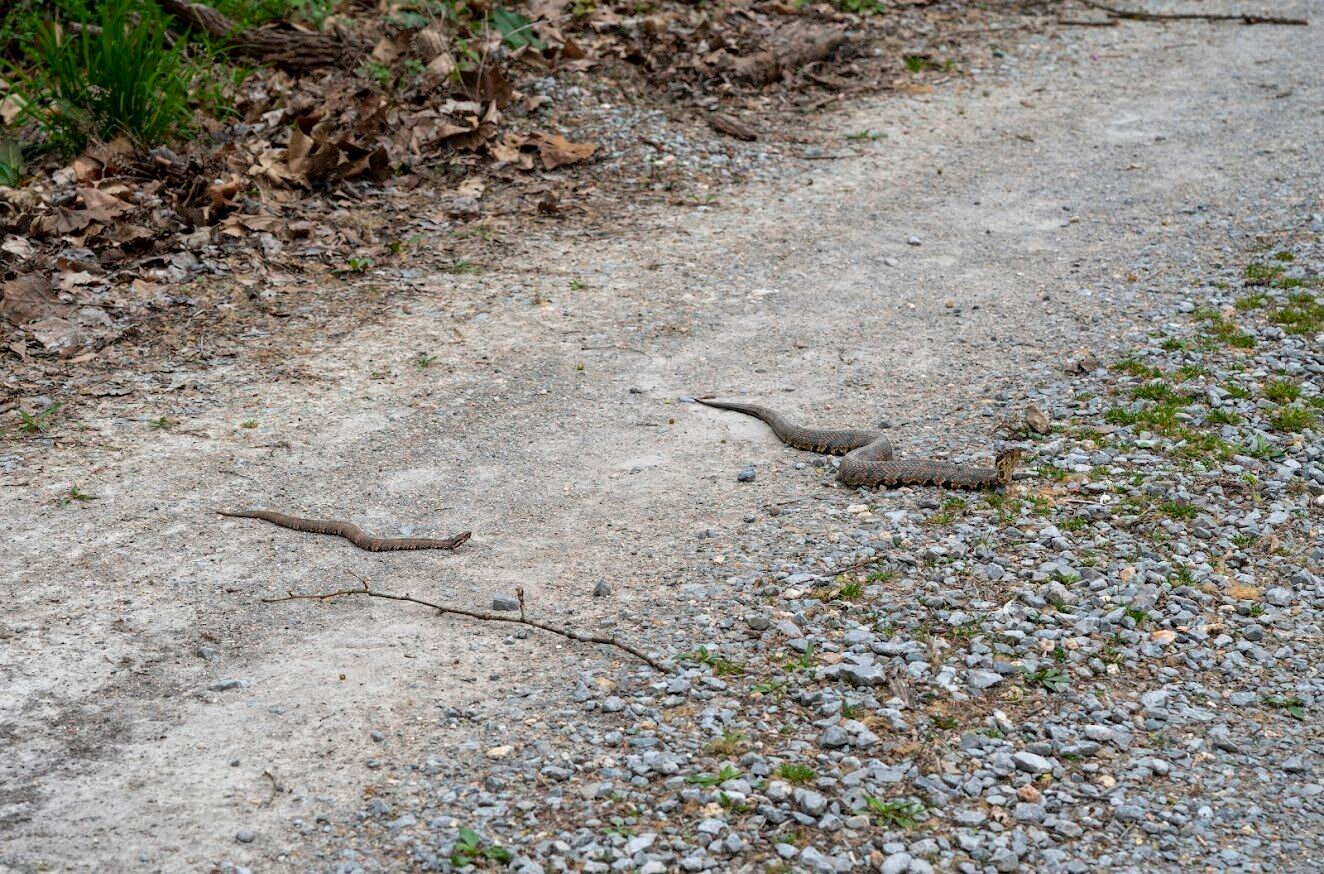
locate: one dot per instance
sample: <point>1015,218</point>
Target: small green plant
<point>707,780</point>
<point>248,424</point>
<point>1282,391</point>
<point>578,285</point>
<point>729,744</point>
<point>378,72</point>
<point>11,163</point>
<point>721,666</point>
<point>470,849</point>
<point>945,722</point>
<point>37,423</point>
<point>1294,706</point>
<point>75,494</point>
<point>462,265</point>
<point>1262,448</point>
<point>1136,615</point>
<point>1292,419</point>
<point>880,575</point>
<point>355,264</point>
<point>516,30</point>
<point>896,813</point>
<point>1252,302</point>
<point>950,511</point>
<point>1048,678</point>
<point>774,687</point>
<point>1221,416</point>
<point>423,361</point>
<point>1135,367</point>
<point>164,423</point>
<point>851,591</point>
<point>1303,314</point>
<point>113,76</point>
<point>796,774</point>
<point>1263,273</point>
<point>865,135</point>
<point>1257,609</point>
<point>1178,509</point>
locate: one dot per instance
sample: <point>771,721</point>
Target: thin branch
<point>366,591</point>
<point>1243,17</point>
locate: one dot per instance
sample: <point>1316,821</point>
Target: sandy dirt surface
<point>988,232</point>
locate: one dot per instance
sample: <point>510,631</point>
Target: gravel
<point>1108,666</point>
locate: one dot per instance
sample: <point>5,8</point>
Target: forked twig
<point>472,614</point>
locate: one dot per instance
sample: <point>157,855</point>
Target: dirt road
<point>980,237</point>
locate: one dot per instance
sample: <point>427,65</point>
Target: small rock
<point>1037,419</point>
<point>602,589</point>
<point>746,476</point>
<point>505,603</point>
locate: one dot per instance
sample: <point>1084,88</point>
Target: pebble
<point>1146,633</point>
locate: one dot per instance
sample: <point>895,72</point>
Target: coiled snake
<point>868,457</point>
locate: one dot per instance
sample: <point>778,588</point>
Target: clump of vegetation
<point>113,75</point>
<point>796,774</point>
<point>895,813</point>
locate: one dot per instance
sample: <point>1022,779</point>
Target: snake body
<point>348,530</point>
<point>868,459</point>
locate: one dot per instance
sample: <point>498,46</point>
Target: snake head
<point>1006,464</point>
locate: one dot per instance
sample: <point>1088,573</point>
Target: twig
<point>473,614</point>
<point>1082,22</point>
<point>275,789</point>
<point>1243,17</point>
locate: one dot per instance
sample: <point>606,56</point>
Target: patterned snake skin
<point>348,530</point>
<point>868,457</point>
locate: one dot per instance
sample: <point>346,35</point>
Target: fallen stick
<point>1243,17</point>
<point>365,591</point>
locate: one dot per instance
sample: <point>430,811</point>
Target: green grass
<point>115,76</point>
<point>1220,416</point>
<point>1292,419</point>
<point>1158,391</point>
<point>1252,302</point>
<point>1282,391</point>
<point>1261,272</point>
<point>164,423</point>
<point>1160,417</point>
<point>39,422</point>
<point>896,813</point>
<point>796,774</point>
<point>1303,314</point>
<point>721,667</point>
<point>76,494</point>
<point>1136,368</point>
<point>1178,509</point>
<point>951,510</point>
<point>851,591</point>
<point>1220,330</point>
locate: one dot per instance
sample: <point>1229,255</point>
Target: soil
<point>991,231</point>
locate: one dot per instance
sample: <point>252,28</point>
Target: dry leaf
<point>556,151</point>
<point>28,299</point>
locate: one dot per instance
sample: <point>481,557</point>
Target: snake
<point>867,458</point>
<point>348,530</point>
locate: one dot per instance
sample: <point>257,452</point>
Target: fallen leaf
<point>30,298</point>
<point>556,151</point>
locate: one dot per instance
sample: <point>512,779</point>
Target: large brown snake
<point>868,457</point>
<point>348,530</point>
